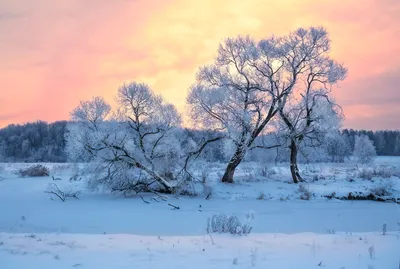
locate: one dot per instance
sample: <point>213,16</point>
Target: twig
<point>208,196</point>
<point>147,202</point>
<point>162,197</point>
<point>155,199</point>
<point>174,207</point>
<point>212,239</point>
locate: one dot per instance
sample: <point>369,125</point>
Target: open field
<point>102,230</point>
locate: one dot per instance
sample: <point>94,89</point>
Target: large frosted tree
<point>250,82</point>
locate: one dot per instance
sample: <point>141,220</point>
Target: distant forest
<point>44,142</point>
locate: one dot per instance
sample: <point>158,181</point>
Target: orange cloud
<point>57,53</point>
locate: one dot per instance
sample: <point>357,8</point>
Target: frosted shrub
<point>223,223</point>
<point>34,171</point>
<point>384,229</point>
<point>381,171</point>
<point>382,190</point>
<point>305,193</point>
<point>266,172</point>
<point>261,196</point>
<point>365,173</point>
<point>371,251</point>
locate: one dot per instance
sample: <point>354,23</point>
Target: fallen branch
<point>173,207</point>
<point>61,196</point>
<point>54,190</point>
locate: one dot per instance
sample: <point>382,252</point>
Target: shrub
<point>376,171</point>
<point>261,196</point>
<point>330,231</point>
<point>318,177</point>
<point>229,224</point>
<point>383,171</point>
<point>305,193</point>
<point>266,172</point>
<point>37,170</point>
<point>365,173</point>
<point>371,251</point>
<point>382,190</point>
<point>384,229</point>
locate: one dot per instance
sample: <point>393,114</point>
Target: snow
<point>278,251</point>
<point>102,230</point>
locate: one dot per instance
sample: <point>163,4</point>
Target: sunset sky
<point>54,53</point>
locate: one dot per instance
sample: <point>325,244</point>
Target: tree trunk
<point>166,184</point>
<point>294,170</point>
<point>233,163</point>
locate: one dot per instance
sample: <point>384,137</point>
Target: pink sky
<point>56,53</point>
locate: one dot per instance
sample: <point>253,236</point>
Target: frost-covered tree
<point>249,82</point>
<point>308,118</point>
<point>364,150</point>
<point>337,147</point>
<point>137,148</point>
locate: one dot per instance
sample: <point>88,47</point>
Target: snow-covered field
<point>102,230</point>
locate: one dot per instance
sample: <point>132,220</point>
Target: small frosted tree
<point>337,147</point>
<point>306,120</point>
<point>364,150</point>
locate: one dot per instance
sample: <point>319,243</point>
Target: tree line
<point>33,142</point>
<point>45,142</point>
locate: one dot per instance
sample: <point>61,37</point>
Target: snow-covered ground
<point>102,230</point>
<point>275,251</point>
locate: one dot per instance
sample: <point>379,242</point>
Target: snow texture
<point>103,230</point>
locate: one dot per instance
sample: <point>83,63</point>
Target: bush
<point>365,173</point>
<point>34,171</point>
<point>383,190</point>
<point>229,224</point>
<point>383,171</point>
<point>377,171</point>
<point>305,193</point>
<point>266,172</point>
